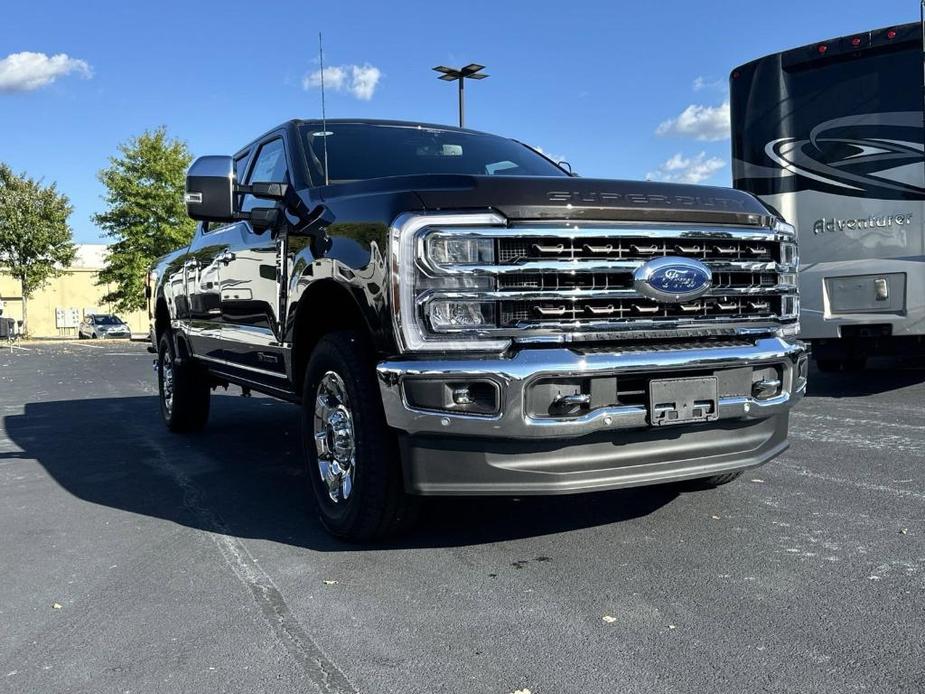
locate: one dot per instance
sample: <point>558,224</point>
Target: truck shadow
<point>244,476</point>
<point>881,376</point>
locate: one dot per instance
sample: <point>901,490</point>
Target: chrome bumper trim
<point>515,374</point>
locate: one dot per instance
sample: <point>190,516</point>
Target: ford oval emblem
<point>672,280</point>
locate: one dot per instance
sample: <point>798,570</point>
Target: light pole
<point>472,71</point>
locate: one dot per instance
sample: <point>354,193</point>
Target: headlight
<point>435,309</point>
<point>446,316</point>
<point>450,250</point>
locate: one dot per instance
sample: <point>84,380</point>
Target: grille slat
<point>516,314</point>
<point>518,250</point>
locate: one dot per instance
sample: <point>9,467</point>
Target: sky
<point>618,89</point>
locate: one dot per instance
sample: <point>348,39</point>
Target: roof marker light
<point>856,41</point>
<point>891,34</point>
<point>822,48</point>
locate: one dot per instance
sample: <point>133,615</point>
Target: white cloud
<point>26,71</point>
<point>359,80</point>
<point>701,83</point>
<point>681,169</point>
<point>699,122</point>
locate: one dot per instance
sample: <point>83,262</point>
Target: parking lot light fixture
<point>472,71</point>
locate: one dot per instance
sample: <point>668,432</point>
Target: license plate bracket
<point>682,400</point>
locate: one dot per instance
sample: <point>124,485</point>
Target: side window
<point>269,167</point>
<point>240,167</point>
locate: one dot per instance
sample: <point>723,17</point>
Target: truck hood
<point>571,198</point>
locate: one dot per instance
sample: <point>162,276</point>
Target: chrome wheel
<point>334,439</point>
<point>167,381</point>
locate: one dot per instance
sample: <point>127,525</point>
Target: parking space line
<point>321,670</point>
<point>868,486</point>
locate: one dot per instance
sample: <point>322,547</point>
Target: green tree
<point>35,239</point>
<point>145,213</point>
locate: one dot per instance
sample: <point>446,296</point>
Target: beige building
<point>55,310</point>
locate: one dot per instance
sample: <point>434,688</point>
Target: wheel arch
<point>324,307</point>
<point>162,325</point>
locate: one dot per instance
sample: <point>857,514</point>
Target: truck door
<point>202,278</point>
<point>251,331</point>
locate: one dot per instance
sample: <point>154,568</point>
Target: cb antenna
<point>324,119</point>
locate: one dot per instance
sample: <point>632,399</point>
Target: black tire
<point>376,504</point>
<point>711,482</point>
<point>81,336</point>
<point>725,478</point>
<point>189,408</point>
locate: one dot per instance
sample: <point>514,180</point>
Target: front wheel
<point>711,482</point>
<point>184,390</point>
<point>351,454</point>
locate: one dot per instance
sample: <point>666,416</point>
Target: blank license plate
<point>682,401</point>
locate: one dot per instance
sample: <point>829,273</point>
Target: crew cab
<point>456,314</point>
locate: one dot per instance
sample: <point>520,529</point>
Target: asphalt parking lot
<point>134,560</point>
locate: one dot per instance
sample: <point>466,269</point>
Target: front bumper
<point>515,452</point>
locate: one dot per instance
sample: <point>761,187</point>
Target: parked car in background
<point>102,325</point>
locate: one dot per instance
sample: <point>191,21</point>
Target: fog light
<point>462,397</point>
<point>460,315</point>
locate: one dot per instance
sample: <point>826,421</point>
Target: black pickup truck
<point>456,314</point>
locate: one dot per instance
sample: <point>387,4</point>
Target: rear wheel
<point>351,454</point>
<point>184,390</point>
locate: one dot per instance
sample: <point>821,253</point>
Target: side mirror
<point>210,189</point>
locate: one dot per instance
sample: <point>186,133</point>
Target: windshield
<point>106,320</point>
<point>360,151</point>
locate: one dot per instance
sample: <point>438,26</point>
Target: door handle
<point>226,257</point>
<point>191,264</point>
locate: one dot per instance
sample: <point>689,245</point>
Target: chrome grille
<point>547,278</point>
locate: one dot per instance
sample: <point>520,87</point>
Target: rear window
<point>363,151</point>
